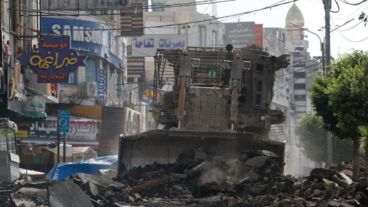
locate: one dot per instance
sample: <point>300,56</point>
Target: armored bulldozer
<point>210,101</point>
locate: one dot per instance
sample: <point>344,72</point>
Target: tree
<point>311,138</point>
<point>341,99</point>
<point>313,142</point>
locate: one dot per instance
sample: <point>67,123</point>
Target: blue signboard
<point>53,60</point>
<point>91,37</point>
<point>101,84</point>
<point>63,121</point>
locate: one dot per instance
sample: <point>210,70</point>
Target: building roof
<point>294,17</point>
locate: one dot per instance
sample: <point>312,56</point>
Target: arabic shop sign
<point>88,35</point>
<point>80,129</point>
<point>53,60</point>
<point>147,45</point>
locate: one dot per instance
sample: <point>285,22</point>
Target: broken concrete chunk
<point>63,194</point>
<point>99,180</point>
<point>30,197</point>
<point>93,189</point>
<point>258,161</point>
<point>251,176</point>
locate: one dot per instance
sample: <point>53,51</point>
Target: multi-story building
<point>93,93</point>
<point>300,71</point>
<point>275,44</point>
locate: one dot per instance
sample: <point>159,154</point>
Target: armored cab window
<point>259,67</point>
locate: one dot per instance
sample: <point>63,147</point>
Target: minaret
<point>294,24</point>
<point>214,8</point>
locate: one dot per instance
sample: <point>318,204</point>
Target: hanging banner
<point>53,60</point>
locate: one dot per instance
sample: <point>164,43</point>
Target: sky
<point>353,35</point>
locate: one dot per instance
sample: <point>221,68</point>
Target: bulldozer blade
<point>164,146</point>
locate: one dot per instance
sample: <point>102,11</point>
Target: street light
<point>321,45</point>
<point>322,49</point>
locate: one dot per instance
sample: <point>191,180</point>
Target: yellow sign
<point>150,93</point>
<point>21,134</point>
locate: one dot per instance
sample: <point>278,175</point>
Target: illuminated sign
<point>53,60</point>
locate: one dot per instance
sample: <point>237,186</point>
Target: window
<point>258,99</point>
<point>259,67</point>
<point>214,38</point>
<point>73,78</point>
<point>259,86</point>
<point>300,97</point>
<point>130,79</point>
<point>299,74</point>
<point>91,70</point>
<point>299,86</point>
<point>202,35</point>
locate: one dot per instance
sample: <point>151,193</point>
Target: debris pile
<point>252,180</point>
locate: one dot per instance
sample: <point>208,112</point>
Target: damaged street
<point>254,180</point>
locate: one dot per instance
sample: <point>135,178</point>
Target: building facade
<point>301,70</point>
<point>91,93</point>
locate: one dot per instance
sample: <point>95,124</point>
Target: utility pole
<point>327,6</point>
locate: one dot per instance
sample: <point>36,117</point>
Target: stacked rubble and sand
<point>252,180</point>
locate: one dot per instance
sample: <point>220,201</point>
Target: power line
<point>205,20</point>
<point>350,28</point>
<point>360,8</point>
<point>338,8</point>
<point>353,4</point>
<point>122,9</point>
<point>355,41</point>
<point>292,80</point>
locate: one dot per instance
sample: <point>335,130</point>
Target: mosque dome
<point>294,17</point>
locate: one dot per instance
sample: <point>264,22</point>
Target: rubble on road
<point>251,181</point>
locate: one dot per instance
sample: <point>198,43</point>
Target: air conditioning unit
<point>87,90</point>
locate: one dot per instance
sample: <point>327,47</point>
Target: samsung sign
<point>88,36</point>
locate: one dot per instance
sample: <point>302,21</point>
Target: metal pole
<point>64,147</point>
<point>327,5</point>
<point>58,147</point>
<point>323,58</point>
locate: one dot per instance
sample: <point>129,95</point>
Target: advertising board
<point>53,59</point>
<point>240,34</point>
<point>89,36</point>
<point>101,84</point>
<point>147,45</point>
<point>79,129</point>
